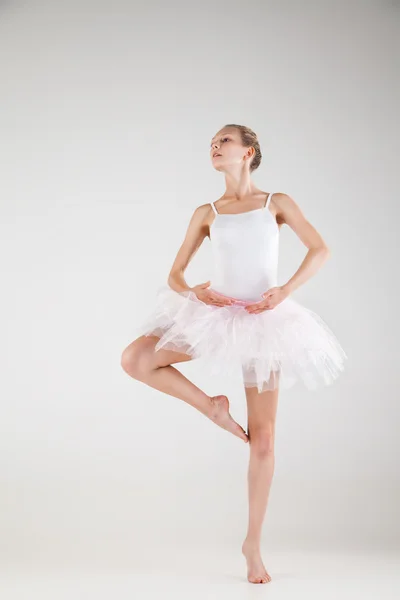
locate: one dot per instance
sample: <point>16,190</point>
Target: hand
<point>272,298</point>
<point>209,296</point>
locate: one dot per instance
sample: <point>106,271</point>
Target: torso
<point>245,248</point>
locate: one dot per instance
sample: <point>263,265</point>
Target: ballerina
<point>245,320</point>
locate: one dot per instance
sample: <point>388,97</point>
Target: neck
<point>239,184</point>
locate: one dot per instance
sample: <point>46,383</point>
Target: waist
<point>242,290</point>
<point>235,300</point>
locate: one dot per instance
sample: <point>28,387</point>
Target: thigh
<point>143,349</point>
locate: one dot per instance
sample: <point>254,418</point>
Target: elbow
<point>322,250</point>
<point>172,277</point>
<point>325,251</point>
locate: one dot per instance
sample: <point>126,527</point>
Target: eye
<point>222,140</point>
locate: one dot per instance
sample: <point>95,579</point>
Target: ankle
<point>209,407</point>
<point>213,406</point>
<point>252,543</point>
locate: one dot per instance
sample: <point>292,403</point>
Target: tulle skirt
<point>277,347</point>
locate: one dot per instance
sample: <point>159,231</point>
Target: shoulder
<point>283,206</point>
<point>199,212</point>
<point>283,201</point>
<point>202,216</point>
<point>204,207</point>
<point>203,211</point>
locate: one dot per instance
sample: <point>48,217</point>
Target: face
<point>227,143</point>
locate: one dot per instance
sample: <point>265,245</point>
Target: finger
<point>254,306</point>
<point>213,299</point>
<point>218,298</point>
<point>258,309</point>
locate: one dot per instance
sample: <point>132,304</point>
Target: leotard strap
<point>268,199</point>
<point>214,209</point>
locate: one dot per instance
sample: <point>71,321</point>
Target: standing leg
<point>262,408</point>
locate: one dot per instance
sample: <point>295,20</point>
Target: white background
<point>107,112</point>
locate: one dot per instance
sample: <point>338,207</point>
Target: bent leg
<point>142,362</point>
<point>153,368</point>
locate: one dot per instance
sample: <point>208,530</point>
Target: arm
<point>196,232</point>
<point>318,252</point>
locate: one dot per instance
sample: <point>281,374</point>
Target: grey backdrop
<point>107,110</point>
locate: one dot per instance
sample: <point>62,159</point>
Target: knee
<point>262,441</point>
<point>134,360</point>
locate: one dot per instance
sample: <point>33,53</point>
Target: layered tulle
<point>280,346</point>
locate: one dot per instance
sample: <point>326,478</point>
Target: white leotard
<point>245,248</point>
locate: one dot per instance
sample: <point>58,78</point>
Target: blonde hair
<point>249,139</point>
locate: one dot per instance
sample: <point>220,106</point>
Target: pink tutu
<point>279,346</point>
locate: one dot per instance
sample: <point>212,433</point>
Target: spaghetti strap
<point>214,209</point>
<point>268,199</point>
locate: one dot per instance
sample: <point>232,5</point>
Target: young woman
<point>245,320</point>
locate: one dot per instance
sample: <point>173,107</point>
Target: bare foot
<point>256,572</point>
<point>219,414</point>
